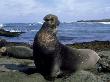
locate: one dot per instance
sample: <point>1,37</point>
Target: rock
<point>13,65</point>
<point>3,42</point>
<point>104,63</point>
<point>105,77</point>
<point>105,54</point>
<point>20,77</point>
<point>3,68</point>
<point>9,34</point>
<point>94,45</point>
<point>81,76</point>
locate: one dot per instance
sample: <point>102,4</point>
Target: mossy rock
<point>105,77</point>
<point>94,45</point>
<point>13,64</point>
<point>104,62</point>
<point>105,54</point>
<point>81,76</point>
<point>20,77</point>
<point>105,58</point>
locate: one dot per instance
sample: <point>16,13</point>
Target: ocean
<point>68,33</point>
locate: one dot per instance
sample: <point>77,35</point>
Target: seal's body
<point>53,59</point>
<point>20,52</point>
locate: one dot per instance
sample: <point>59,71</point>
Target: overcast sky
<point>67,10</point>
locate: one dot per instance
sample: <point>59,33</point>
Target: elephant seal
<point>53,59</point>
<point>21,52</point>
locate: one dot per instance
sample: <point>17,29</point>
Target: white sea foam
<point>30,24</point>
<point>1,25</point>
<point>104,22</point>
<point>15,31</point>
<point>40,22</point>
<point>34,30</point>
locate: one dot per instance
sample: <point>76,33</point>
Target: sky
<point>29,11</point>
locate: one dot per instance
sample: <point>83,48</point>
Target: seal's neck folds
<point>46,37</point>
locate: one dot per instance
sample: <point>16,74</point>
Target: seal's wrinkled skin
<point>53,59</point>
<point>20,52</point>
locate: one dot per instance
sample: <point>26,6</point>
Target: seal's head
<point>51,20</point>
<point>3,49</point>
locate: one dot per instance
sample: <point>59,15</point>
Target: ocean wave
<point>15,31</point>
<point>104,22</point>
<point>40,22</point>
<point>1,25</point>
<point>34,30</point>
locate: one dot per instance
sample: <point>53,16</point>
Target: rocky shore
<point>23,70</point>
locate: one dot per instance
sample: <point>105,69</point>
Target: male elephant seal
<point>53,59</point>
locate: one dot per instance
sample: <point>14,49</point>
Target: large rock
<point>104,63</point>
<point>81,76</point>
<point>9,34</point>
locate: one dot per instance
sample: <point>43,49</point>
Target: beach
<point>22,70</point>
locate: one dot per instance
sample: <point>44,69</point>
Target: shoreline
<point>94,45</point>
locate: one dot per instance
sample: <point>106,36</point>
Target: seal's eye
<point>46,19</point>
